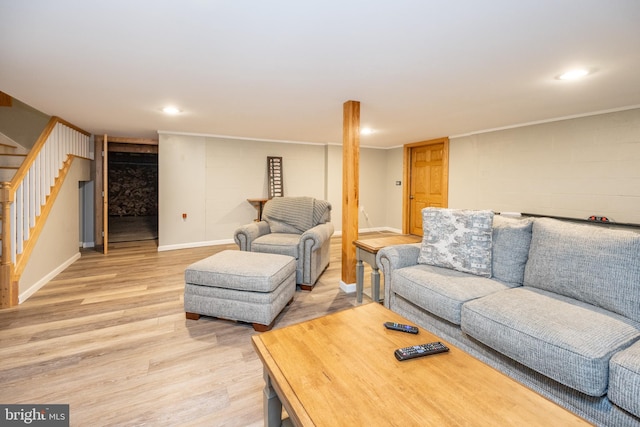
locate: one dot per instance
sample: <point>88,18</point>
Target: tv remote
<point>401,327</point>
<point>414,351</point>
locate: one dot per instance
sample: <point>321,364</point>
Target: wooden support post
<point>350,188</point>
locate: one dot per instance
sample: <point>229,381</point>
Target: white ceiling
<point>282,69</point>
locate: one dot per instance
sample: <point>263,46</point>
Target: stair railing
<point>28,198</point>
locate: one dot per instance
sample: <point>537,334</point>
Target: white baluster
<point>33,201</point>
<point>19,202</point>
<point>37,184</point>
<point>13,229</point>
<point>26,208</point>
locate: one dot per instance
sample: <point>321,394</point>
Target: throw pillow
<point>458,239</point>
<point>511,241</point>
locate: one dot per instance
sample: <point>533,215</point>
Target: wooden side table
<point>258,204</point>
<point>366,251</point>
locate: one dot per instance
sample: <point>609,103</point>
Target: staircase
<point>29,183</point>
<point>12,156</point>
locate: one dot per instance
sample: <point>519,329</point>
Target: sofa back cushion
<point>511,241</point>
<point>600,266</point>
<point>457,239</point>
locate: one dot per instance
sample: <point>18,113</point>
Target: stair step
<point>11,160</point>
<point>8,145</point>
<point>6,175</point>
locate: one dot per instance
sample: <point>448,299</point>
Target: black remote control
<point>414,351</point>
<point>401,327</point>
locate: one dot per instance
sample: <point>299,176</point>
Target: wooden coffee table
<point>366,250</point>
<point>339,370</point>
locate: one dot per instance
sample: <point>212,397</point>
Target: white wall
<point>372,195</point>
<point>393,192</point>
<point>211,178</point>
<point>181,189</point>
<point>572,168</point>
<point>334,184</point>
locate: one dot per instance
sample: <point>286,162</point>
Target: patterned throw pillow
<point>457,239</point>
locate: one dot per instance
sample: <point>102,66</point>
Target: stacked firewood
<point>133,190</point>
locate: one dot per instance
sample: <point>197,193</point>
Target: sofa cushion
<point>624,379</point>
<point>590,263</point>
<point>511,241</point>
<point>457,239</point>
<point>566,340</point>
<point>277,243</point>
<point>441,291</point>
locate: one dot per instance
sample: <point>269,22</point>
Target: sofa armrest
<point>393,257</point>
<point>246,234</point>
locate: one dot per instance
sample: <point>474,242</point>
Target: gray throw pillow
<point>511,241</point>
<point>458,239</point>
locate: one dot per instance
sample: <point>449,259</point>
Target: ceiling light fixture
<point>366,131</point>
<point>171,110</point>
<point>573,74</point>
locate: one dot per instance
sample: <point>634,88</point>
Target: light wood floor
<point>108,336</point>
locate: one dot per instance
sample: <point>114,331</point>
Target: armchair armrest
<point>314,250</point>
<point>315,237</point>
<point>246,234</point>
<point>393,257</point>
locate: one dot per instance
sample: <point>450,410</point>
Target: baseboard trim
<point>46,279</point>
<point>195,245</point>
<point>347,288</point>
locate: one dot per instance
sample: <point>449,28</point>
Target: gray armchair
<point>296,226</point>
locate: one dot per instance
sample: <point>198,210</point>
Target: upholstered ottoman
<point>249,287</point>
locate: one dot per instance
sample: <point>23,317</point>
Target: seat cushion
<point>278,243</point>
<point>441,291</point>
<point>240,270</point>
<point>563,339</point>
<point>624,379</point>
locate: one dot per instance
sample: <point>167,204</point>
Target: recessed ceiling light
<point>573,74</point>
<point>171,110</point>
<point>366,131</point>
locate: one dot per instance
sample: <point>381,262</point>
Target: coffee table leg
<point>375,283</point>
<point>271,403</point>
<point>359,280</point>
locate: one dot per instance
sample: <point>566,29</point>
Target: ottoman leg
<point>262,328</point>
<point>192,316</point>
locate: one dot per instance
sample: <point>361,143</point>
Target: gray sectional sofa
<point>559,309</point>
